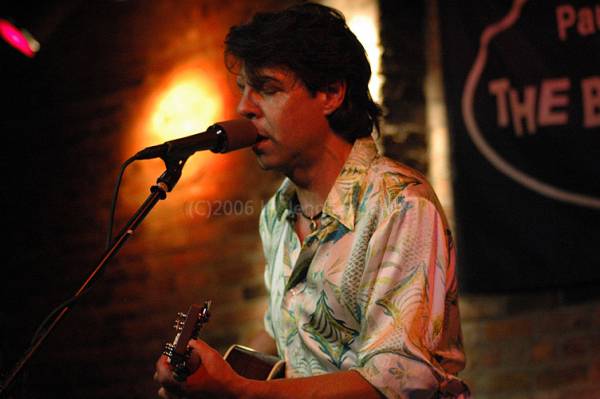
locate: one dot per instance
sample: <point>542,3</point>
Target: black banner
<point>523,94</point>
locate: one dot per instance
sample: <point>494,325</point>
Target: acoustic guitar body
<point>254,365</point>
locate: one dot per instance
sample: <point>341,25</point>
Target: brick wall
<point>78,108</point>
<point>532,346</point>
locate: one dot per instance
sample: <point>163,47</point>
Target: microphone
<point>221,137</point>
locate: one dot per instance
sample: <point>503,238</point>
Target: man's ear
<point>333,96</point>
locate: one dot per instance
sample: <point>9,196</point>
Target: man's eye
<point>269,90</point>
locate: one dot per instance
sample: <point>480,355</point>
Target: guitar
<point>245,361</point>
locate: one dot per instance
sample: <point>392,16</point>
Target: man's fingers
<point>163,393</point>
<point>198,345</point>
<point>163,371</point>
<point>171,392</point>
<point>170,388</point>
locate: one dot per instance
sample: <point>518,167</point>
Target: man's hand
<point>211,377</point>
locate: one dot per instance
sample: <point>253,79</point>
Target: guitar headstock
<point>188,326</point>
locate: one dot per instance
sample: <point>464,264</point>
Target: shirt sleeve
<point>410,339</point>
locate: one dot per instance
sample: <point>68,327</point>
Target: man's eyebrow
<point>268,78</point>
<point>263,80</point>
<point>258,81</point>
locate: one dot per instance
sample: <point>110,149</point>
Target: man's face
<point>290,120</point>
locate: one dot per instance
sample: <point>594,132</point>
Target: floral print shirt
<point>373,288</point>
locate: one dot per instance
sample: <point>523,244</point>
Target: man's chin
<point>262,162</point>
<point>262,165</point>
<point>268,164</point>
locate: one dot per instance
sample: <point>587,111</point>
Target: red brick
<point>543,350</point>
<point>474,307</point>
<point>582,392</point>
<point>564,320</point>
<point>546,394</point>
<point>515,352</point>
<point>595,342</point>
<point>501,330</point>
<point>594,371</point>
<point>577,346</point>
<point>562,377</point>
<point>483,357</point>
<point>501,382</point>
<point>595,316</point>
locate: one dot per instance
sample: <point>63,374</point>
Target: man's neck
<point>316,180</point>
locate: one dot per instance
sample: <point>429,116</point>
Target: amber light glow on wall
<point>188,104</point>
<point>182,102</point>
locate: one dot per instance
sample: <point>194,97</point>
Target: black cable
<point>59,310</point>
<point>113,207</point>
<point>74,298</point>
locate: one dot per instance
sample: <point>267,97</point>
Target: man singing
<point>360,261</point>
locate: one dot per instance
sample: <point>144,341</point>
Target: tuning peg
<point>180,317</point>
<point>204,314</point>
<point>178,325</point>
<point>169,350</point>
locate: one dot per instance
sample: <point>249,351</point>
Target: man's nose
<point>247,106</point>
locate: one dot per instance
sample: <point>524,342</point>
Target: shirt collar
<point>283,197</point>
<point>343,199</point>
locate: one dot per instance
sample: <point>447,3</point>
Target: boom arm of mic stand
<point>165,183</point>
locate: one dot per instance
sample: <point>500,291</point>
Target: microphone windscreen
<point>240,133</point>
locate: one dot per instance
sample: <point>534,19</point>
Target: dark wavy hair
<point>315,43</point>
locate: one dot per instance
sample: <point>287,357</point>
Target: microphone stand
<point>164,184</point>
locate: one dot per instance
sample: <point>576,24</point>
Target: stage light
<point>365,28</point>
<point>20,39</point>
<point>363,20</point>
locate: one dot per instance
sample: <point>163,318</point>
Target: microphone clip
<point>174,167</point>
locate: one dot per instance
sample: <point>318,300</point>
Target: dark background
<point>511,238</point>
